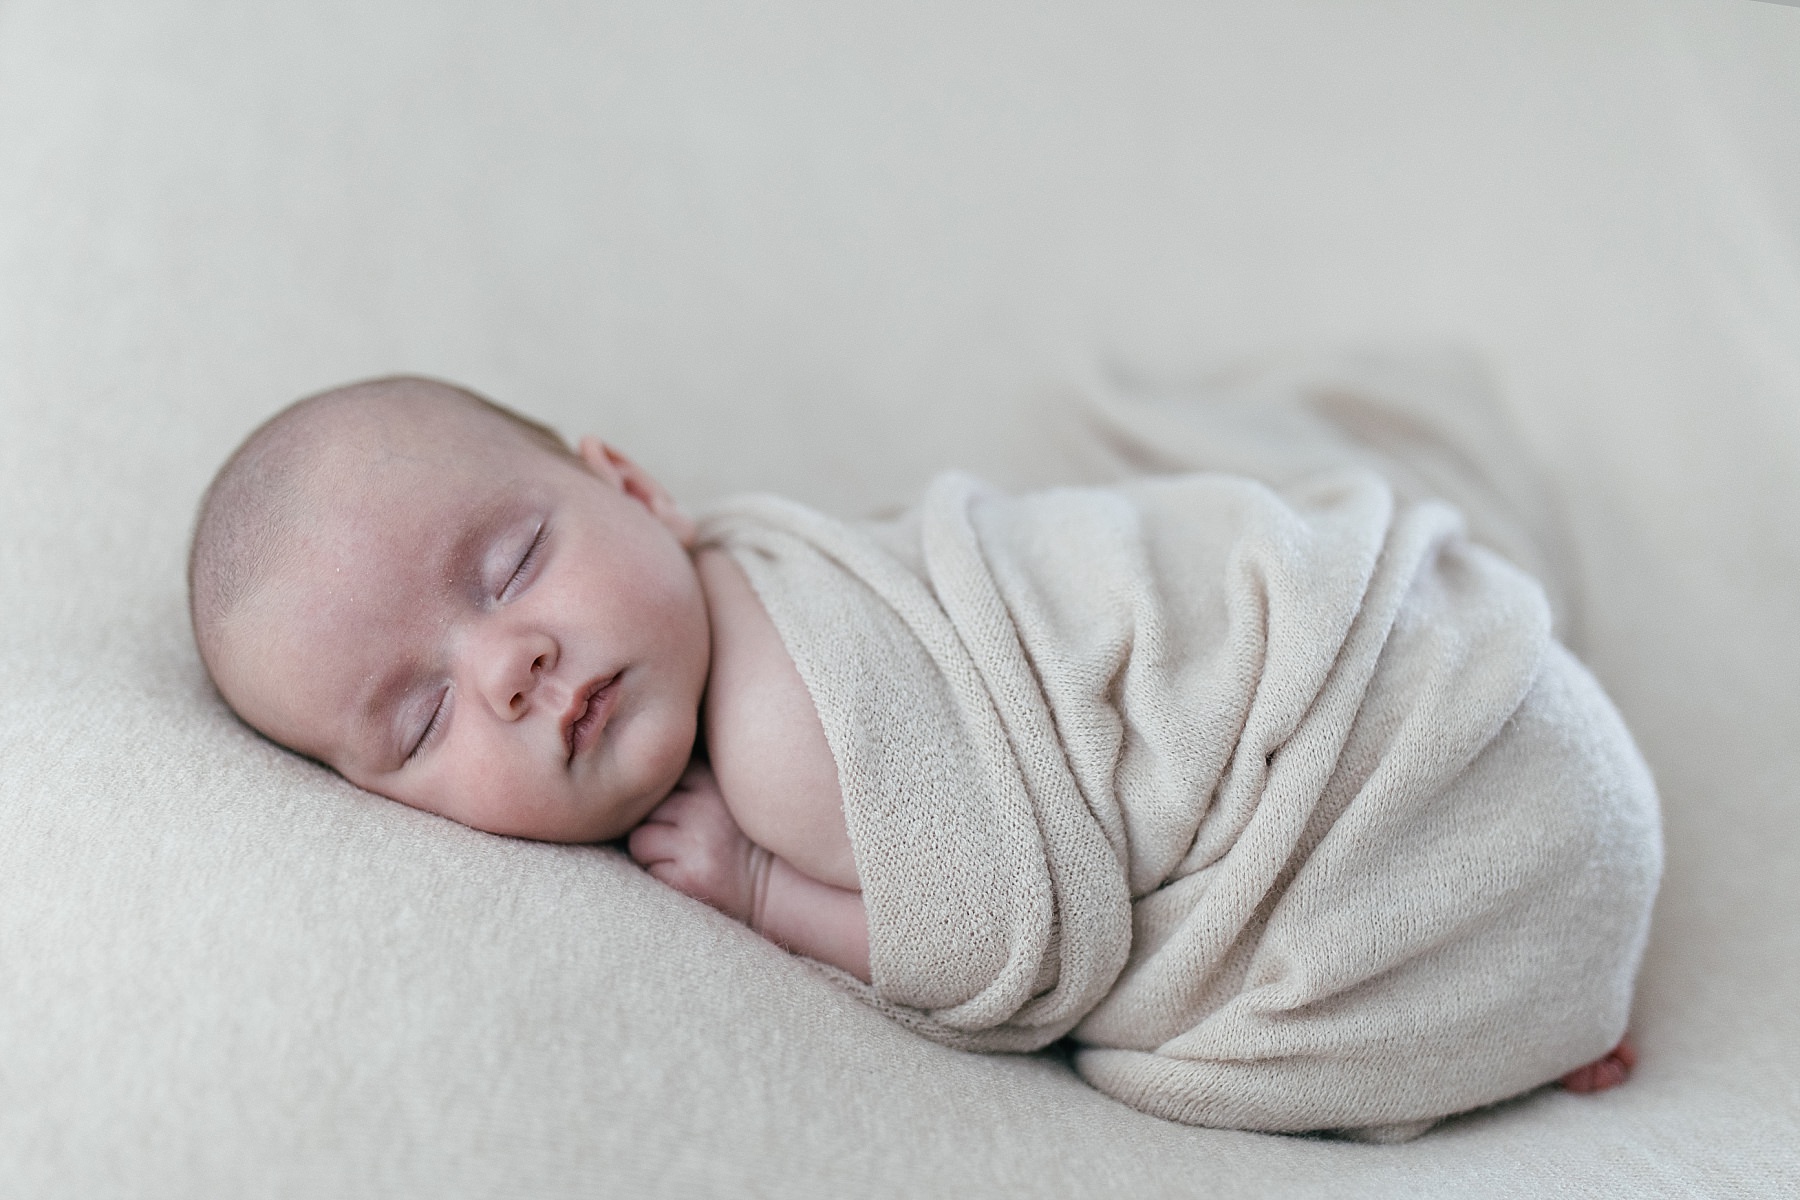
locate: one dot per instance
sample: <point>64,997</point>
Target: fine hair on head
<point>265,489</point>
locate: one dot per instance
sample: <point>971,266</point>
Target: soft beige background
<point>827,249</point>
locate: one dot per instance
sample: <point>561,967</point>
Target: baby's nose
<point>514,669</point>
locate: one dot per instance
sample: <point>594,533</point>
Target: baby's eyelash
<point>531,552</point>
<point>431,727</point>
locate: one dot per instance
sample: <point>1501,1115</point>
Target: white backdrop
<point>827,250</point>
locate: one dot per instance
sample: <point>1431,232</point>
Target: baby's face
<point>492,632</point>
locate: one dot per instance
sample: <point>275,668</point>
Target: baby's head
<point>438,599</point>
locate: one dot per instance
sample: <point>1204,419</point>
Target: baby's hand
<point>691,843</point>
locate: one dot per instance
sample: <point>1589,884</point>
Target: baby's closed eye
<point>438,717</point>
<point>525,564</point>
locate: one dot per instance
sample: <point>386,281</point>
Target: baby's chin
<point>663,751</point>
<point>663,763</point>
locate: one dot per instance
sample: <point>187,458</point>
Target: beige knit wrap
<point>1285,806</point>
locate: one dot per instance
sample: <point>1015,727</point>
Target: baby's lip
<point>588,713</point>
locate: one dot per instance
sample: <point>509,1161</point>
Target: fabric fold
<point>1284,805</point>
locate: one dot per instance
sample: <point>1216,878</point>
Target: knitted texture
<point>1284,805</point>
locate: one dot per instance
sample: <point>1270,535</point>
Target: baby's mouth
<point>588,715</point>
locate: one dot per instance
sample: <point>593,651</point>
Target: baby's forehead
<point>376,463</point>
<point>384,466</point>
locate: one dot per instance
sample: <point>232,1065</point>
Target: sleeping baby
<point>1283,805</point>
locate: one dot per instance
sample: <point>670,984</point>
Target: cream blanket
<point>1284,805</point>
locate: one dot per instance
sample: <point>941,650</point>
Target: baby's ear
<point>615,470</point>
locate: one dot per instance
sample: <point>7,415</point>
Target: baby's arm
<point>691,843</point>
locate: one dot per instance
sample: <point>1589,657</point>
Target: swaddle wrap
<point>1285,806</point>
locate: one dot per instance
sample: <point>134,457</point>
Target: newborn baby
<point>438,600</point>
<point>1284,806</point>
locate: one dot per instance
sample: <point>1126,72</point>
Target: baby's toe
<point>1603,1073</point>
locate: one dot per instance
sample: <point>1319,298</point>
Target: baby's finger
<point>652,844</point>
<point>670,810</point>
<point>678,877</point>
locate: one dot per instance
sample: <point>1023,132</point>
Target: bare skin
<point>1603,1073</point>
<point>760,833</point>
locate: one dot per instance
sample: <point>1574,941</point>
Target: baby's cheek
<point>486,788</point>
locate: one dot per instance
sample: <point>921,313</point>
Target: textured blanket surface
<point>1286,806</point>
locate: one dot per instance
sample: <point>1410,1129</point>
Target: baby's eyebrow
<point>462,555</point>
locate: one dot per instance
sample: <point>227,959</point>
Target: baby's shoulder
<point>764,737</point>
